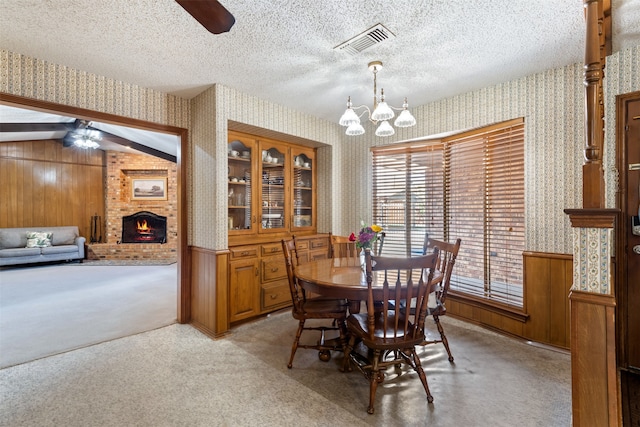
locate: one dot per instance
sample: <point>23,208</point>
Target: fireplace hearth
<point>144,227</point>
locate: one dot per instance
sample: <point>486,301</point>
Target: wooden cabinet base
<point>258,283</point>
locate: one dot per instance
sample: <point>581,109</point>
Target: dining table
<point>343,278</point>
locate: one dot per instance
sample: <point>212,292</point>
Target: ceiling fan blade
<point>210,13</point>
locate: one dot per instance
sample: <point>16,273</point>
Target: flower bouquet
<point>366,237</point>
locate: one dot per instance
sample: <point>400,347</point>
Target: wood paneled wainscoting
<point>209,287</point>
<point>545,319</point>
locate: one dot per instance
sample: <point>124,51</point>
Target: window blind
<point>469,186</point>
<point>408,196</point>
<point>484,191</point>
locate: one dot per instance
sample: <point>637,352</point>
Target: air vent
<point>374,35</point>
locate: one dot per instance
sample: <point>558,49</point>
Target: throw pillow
<point>39,239</point>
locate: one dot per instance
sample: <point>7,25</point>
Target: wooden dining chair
<point>391,336</point>
<point>304,309</point>
<point>437,308</point>
<point>342,247</point>
<point>379,243</point>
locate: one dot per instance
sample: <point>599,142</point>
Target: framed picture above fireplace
<point>149,188</point>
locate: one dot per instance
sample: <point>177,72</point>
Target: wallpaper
<point>33,78</point>
<point>551,102</point>
<point>592,269</point>
<point>213,110</point>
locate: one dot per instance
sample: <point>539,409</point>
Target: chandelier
<point>382,112</point>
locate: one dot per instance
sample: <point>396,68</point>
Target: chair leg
<point>342,329</point>
<point>295,343</point>
<point>443,337</point>
<point>375,378</point>
<point>346,363</point>
<point>423,377</point>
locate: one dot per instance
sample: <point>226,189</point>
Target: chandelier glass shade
<point>382,112</point>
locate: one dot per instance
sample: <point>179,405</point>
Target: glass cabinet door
<point>303,198</point>
<point>273,187</point>
<point>240,153</point>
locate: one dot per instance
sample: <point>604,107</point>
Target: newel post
<point>594,385</point>
<point>593,190</point>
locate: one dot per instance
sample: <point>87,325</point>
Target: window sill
<point>492,306</point>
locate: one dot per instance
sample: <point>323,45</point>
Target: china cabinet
<point>241,170</point>
<point>303,195</point>
<point>271,196</point>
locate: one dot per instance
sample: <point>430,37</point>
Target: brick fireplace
<point>122,169</point>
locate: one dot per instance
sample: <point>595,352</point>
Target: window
<point>469,186</point>
<point>408,196</point>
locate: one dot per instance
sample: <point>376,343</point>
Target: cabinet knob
<point>245,253</point>
<point>273,296</point>
<point>273,270</point>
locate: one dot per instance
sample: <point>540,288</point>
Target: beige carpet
<point>175,376</point>
<point>53,308</point>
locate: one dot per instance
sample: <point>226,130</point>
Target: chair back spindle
<point>342,247</point>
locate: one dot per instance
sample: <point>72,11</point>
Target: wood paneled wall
<point>43,183</point>
<point>594,388</point>
<point>547,282</point>
<point>208,285</point>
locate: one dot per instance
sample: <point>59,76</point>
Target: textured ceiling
<point>282,50</point>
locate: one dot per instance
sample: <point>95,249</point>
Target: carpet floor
<point>176,376</point>
<point>52,308</point>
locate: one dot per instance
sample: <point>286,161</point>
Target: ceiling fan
<point>72,130</point>
<point>210,13</point>
<point>68,133</point>
<point>82,135</point>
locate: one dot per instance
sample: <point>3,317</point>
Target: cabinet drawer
<point>238,252</point>
<point>275,295</point>
<point>273,268</point>
<point>271,249</point>
<point>302,245</point>
<point>318,243</point>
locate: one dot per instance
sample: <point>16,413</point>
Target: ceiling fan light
<point>355,129</point>
<point>349,117</point>
<point>382,112</point>
<point>86,143</point>
<point>385,129</point>
<point>405,120</point>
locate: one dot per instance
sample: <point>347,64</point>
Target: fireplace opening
<point>144,227</point>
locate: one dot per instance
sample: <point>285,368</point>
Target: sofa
<point>40,244</point>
